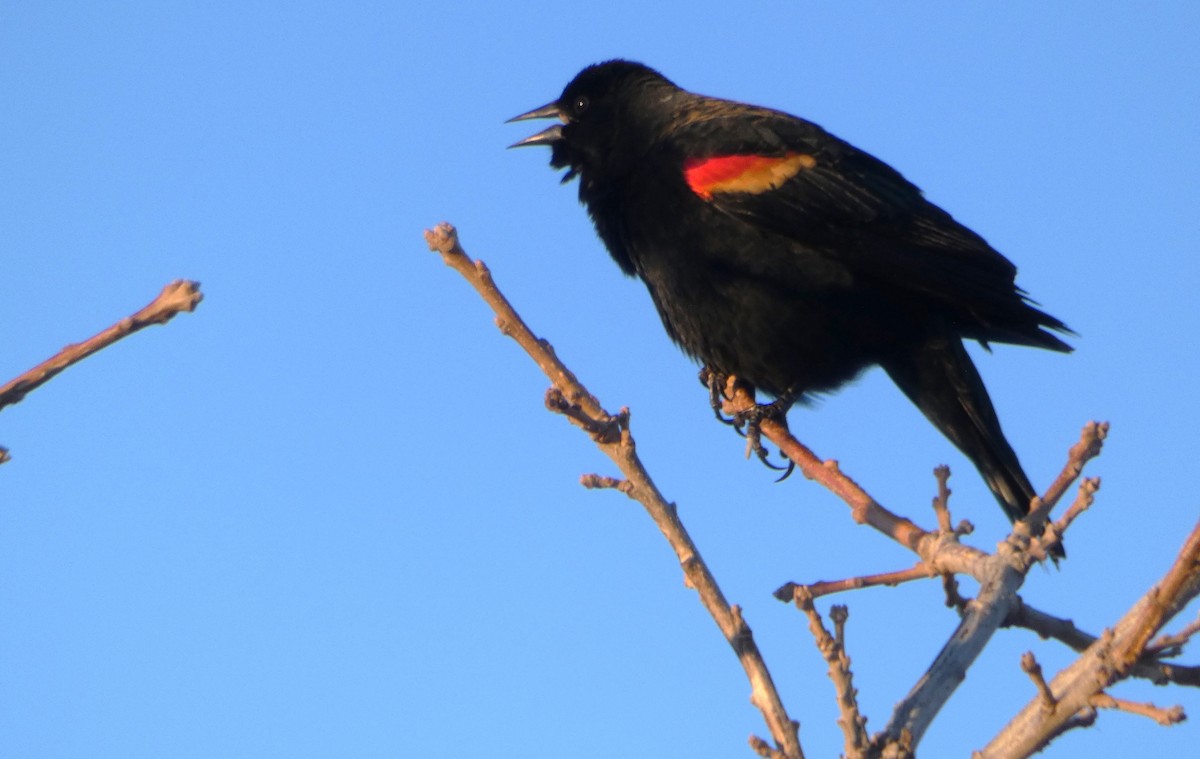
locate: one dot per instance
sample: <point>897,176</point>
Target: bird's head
<point>611,114</point>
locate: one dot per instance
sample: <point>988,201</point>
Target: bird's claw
<point>715,381</point>
<point>746,423</point>
<point>754,444</point>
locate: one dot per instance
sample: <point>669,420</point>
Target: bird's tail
<point>940,378</point>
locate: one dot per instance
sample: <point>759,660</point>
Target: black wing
<point>846,204</point>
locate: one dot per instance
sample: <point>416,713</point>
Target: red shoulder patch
<point>743,173</point>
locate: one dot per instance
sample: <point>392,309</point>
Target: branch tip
<point>177,297</point>
<point>602,482</point>
<point>1030,666</point>
<point>1166,717</point>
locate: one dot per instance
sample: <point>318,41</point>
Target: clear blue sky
<point>326,515</point>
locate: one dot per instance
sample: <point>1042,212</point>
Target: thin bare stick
<point>832,648</point>
<point>1169,645</point>
<point>788,592</point>
<point>612,435</point>
<point>602,482</point>
<point>181,295</point>
<point>1091,440</point>
<point>941,502</point>
<point>954,599</point>
<point>1030,666</point>
<point>865,509</point>
<point>1083,501</point>
<point>764,749</point>
<point>1166,717</point>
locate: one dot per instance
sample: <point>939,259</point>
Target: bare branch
<point>1172,645</point>
<point>1005,572</point>
<point>789,591</point>
<point>1118,654</point>
<point>1000,575</point>
<point>1181,585</point>
<point>1030,666</point>
<point>1165,717</point>
<point>1111,658</point>
<point>764,749</point>
<point>833,650</point>
<point>954,599</point>
<point>865,509</point>
<point>600,482</point>
<point>181,295</point>
<point>1064,630</point>
<point>1091,440</point>
<point>585,411</point>
<point>941,502</point>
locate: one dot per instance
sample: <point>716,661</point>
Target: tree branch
<point>612,435</point>
<point>1000,574</point>
<point>180,295</point>
<point>1109,659</point>
<point>1069,701</point>
<point>1149,667</point>
<point>833,650</point>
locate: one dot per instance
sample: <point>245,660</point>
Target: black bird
<point>778,253</point>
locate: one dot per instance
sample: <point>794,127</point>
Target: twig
<point>1030,666</point>
<point>954,599</point>
<point>599,482</point>
<point>181,295</point>
<point>865,509</point>
<point>764,749</point>
<point>1166,717</point>
<point>1091,441</point>
<point>1170,645</point>
<point>591,416</point>
<point>1035,527</point>
<point>941,502</point>
<point>833,650</point>
<point>788,592</point>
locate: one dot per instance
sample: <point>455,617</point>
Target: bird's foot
<point>752,418</point>
<point>746,423</point>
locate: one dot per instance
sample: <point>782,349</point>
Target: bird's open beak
<point>547,136</point>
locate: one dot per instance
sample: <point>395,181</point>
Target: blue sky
<point>327,515</point>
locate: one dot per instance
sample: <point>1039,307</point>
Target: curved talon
<point>764,456</point>
<point>754,441</point>
<point>791,467</point>
<point>713,381</point>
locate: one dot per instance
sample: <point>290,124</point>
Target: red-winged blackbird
<point>780,254</point>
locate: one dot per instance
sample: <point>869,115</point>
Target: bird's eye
<point>580,105</point>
